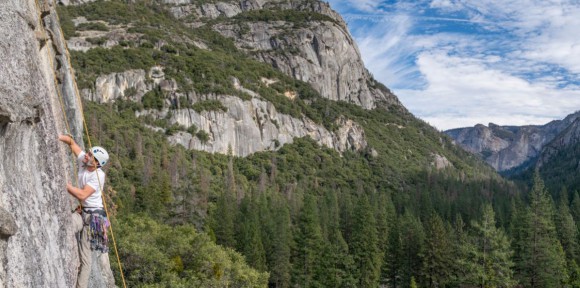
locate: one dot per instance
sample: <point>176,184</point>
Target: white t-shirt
<point>90,178</point>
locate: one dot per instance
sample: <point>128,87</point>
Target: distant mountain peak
<point>510,147</point>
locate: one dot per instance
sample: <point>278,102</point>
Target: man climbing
<point>91,221</point>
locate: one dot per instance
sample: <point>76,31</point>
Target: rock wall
<point>252,126</point>
<point>37,244</point>
<point>322,54</point>
<point>212,10</point>
<point>246,127</point>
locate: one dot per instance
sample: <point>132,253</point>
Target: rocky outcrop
<point>37,244</point>
<point>440,162</point>
<point>192,8</point>
<point>323,55</point>
<point>252,126</point>
<point>509,147</point>
<point>246,127</point>
<point>117,86</point>
<point>479,138</point>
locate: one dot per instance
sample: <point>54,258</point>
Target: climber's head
<point>97,156</point>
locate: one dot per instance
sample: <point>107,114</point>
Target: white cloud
<point>361,5</point>
<point>445,4</point>
<point>464,92</point>
<point>546,31</point>
<point>458,63</point>
<point>558,43</point>
<point>366,5</point>
<point>387,54</point>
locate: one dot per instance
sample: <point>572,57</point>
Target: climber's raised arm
<point>76,149</point>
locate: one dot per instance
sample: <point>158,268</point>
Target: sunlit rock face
<point>320,52</point>
<point>246,127</point>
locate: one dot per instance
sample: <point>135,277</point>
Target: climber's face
<point>89,160</point>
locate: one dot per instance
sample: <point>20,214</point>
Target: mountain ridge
<point>509,147</point>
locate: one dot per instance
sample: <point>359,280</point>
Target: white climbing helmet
<point>100,154</point>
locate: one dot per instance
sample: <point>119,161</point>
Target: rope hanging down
<point>84,121</point>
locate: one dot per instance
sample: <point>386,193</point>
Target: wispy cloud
<point>465,91</point>
<point>459,63</point>
<point>392,54</point>
<point>360,5</point>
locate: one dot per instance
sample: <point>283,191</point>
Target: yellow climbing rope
<point>84,123</point>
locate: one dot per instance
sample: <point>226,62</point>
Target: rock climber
<point>90,220</point>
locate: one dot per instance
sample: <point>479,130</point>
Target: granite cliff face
<point>322,54</point>
<point>37,244</point>
<point>319,52</point>
<point>251,126</point>
<point>509,147</point>
<point>247,126</point>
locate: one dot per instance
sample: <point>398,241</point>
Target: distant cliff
<point>317,49</point>
<point>510,147</point>
<point>565,140</point>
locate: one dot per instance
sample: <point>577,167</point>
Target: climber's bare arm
<point>81,194</point>
<point>76,149</point>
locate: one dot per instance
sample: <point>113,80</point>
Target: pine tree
<point>488,262</point>
<point>542,257</point>
<point>364,245</point>
<point>336,261</point>
<point>222,218</point>
<point>392,267</point>
<point>437,254</point>
<point>309,244</point>
<point>346,202</point>
<point>279,251</point>
<point>566,228</point>
<point>574,280</point>
<point>412,242</point>
<point>519,230</point>
<point>575,207</point>
<point>249,235</point>
<point>460,252</point>
<point>388,240</point>
<point>413,283</point>
<point>384,212</point>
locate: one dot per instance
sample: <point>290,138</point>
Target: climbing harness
<point>101,222</point>
<point>98,223</point>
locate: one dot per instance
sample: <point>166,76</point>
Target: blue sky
<point>457,63</point>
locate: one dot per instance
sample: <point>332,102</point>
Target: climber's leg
<point>84,248</point>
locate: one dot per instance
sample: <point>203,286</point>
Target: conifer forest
<point>300,214</point>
